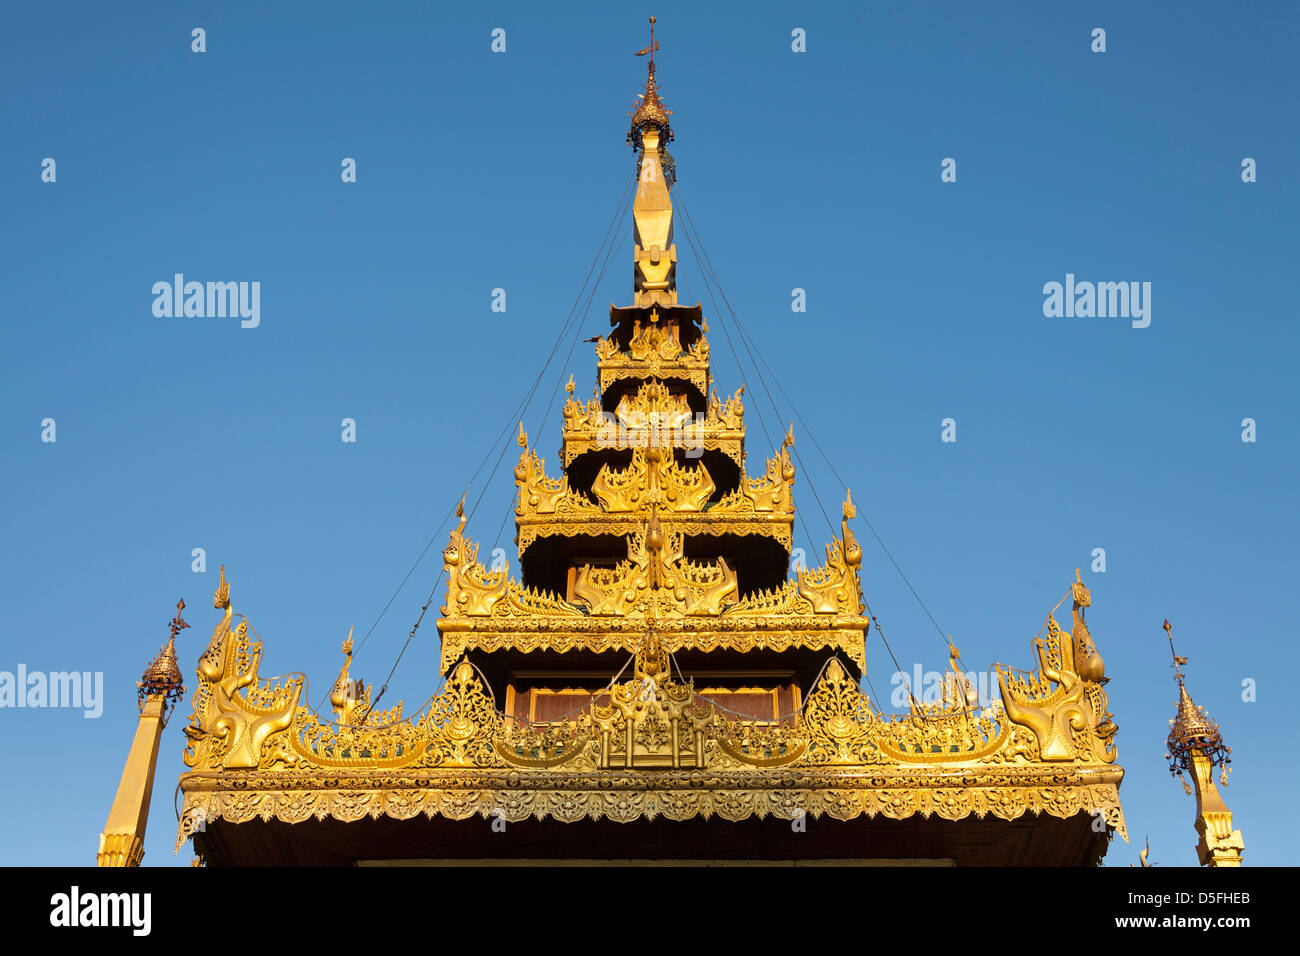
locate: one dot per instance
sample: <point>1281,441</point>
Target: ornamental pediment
<point>653,417</point>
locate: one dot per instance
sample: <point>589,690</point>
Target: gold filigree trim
<point>649,795</point>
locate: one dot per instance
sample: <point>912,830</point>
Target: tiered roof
<point>654,539</point>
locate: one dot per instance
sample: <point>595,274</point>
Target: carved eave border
<point>1048,749</point>
<point>777,526</point>
<point>668,310</point>
<point>626,634</point>
<point>947,792</point>
<point>696,372</point>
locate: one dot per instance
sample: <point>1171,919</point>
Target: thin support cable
<point>866,520</point>
<point>577,327</point>
<point>571,319</point>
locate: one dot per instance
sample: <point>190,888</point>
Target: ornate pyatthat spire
<point>654,277</point>
<point>1196,746</point>
<point>122,842</point>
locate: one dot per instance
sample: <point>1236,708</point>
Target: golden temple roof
<point>652,556</point>
<point>258,752</point>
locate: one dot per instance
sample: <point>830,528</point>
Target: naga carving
<point>474,591</point>
<point>226,723</point>
<point>835,587</point>
<point>1063,704</point>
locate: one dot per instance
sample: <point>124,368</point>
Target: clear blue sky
<point>817,170</point>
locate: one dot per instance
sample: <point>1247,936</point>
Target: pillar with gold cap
<point>122,842</point>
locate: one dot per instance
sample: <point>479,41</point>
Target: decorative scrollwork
<point>649,724</point>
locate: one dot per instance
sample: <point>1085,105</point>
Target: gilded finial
<point>650,109</point>
<point>1144,854</point>
<point>1079,590</point>
<point>162,677</point>
<point>1178,661</point>
<point>221,597</point>
<point>347,692</point>
<point>1192,729</point>
<point>178,623</point>
<point>1196,746</point>
<point>460,514</point>
<point>652,47</point>
<point>852,550</point>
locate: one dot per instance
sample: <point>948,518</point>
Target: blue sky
<point>818,170</point>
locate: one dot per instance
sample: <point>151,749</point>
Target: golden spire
<point>654,275</point>
<point>1196,746</point>
<point>160,687</point>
